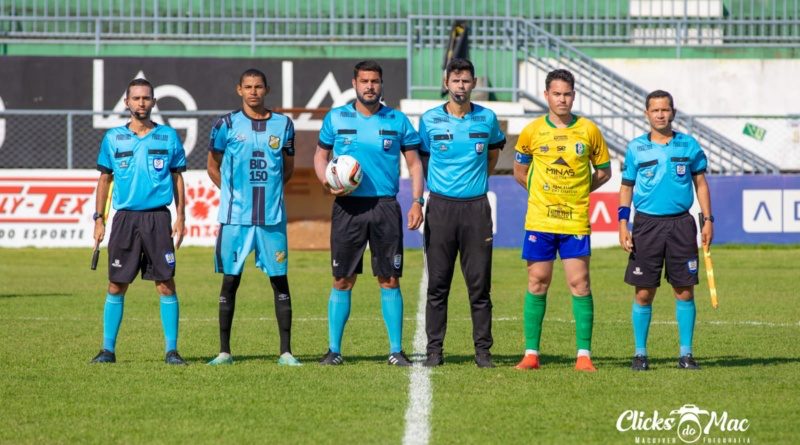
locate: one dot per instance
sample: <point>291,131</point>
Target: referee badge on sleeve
<point>680,169</point>
<point>479,147</point>
<point>387,144</point>
<point>158,164</point>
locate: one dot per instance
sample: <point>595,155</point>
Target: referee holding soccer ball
<point>461,142</point>
<point>375,135</point>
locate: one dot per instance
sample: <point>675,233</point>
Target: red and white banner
<point>53,208</point>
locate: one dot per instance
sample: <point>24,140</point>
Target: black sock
<point>283,310</point>
<point>227,304</point>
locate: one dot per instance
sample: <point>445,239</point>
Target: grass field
<point>50,323</point>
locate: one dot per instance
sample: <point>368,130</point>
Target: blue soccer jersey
<point>661,175</point>
<point>141,166</point>
<point>375,141</point>
<point>459,150</point>
<point>251,179</point>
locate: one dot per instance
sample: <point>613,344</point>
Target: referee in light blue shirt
<point>663,169</point>
<point>376,136</point>
<point>145,161</point>
<point>460,146</point>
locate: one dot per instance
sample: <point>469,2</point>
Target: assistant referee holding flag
<point>660,168</point>
<point>461,142</point>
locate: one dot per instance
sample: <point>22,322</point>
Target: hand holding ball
<point>343,173</point>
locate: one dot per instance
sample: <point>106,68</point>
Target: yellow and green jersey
<point>559,175</point>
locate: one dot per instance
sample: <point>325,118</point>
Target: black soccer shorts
<point>659,241</point>
<point>141,241</point>
<point>356,221</point>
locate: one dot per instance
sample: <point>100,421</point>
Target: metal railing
<point>532,52</point>
<point>70,138</point>
<point>591,23</point>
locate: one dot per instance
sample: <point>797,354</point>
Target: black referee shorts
<point>141,241</point>
<point>356,221</point>
<point>663,240</point>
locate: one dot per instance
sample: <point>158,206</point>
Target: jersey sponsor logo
<point>439,120</point>
<point>479,147</point>
<point>680,169</point>
<point>561,148</point>
<point>544,149</point>
<point>280,256</point>
<point>348,114</point>
<point>478,118</point>
<point>274,142</point>
<point>160,137</point>
<point>560,168</point>
<point>387,144</point>
<point>559,211</point>
<point>560,137</point>
<point>644,147</point>
<point>398,261</point>
<point>123,137</point>
<point>580,149</point>
<point>158,164</point>
<point>692,266</point>
<point>170,258</point>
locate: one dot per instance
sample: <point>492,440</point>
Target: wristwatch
<point>709,218</point>
<point>420,201</point>
<point>97,216</point>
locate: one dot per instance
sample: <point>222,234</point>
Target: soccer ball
<point>344,172</point>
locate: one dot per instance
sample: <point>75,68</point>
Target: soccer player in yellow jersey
<point>553,158</point>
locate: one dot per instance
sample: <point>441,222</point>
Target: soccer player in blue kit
<point>461,142</point>
<point>375,135</point>
<point>250,158</point>
<point>145,161</point>
<point>660,168</point>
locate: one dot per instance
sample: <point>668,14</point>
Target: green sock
<point>583,311</point>
<point>535,306</point>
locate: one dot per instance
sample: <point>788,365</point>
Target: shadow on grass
<point>34,295</point>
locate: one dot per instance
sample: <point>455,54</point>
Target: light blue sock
<point>641,316</point>
<point>338,313</point>
<point>169,320</point>
<point>685,313</point>
<point>112,318</point>
<point>392,308</point>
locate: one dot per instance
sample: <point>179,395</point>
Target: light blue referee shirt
<point>459,150</point>
<point>251,179</point>
<point>375,141</point>
<point>661,175</point>
<point>141,166</point>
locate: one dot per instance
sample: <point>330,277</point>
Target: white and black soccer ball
<point>344,172</point>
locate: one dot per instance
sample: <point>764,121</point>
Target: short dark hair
<point>459,64</point>
<point>559,74</point>
<point>252,72</point>
<point>140,82</point>
<point>367,65</point>
<point>658,94</point>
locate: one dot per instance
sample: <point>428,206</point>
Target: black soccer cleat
<point>433,360</point>
<point>331,359</point>
<point>640,363</point>
<point>173,358</point>
<point>104,356</point>
<point>688,362</point>
<point>484,360</point>
<point>399,359</point>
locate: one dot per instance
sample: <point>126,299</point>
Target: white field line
<point>755,323</point>
<point>420,400</point>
